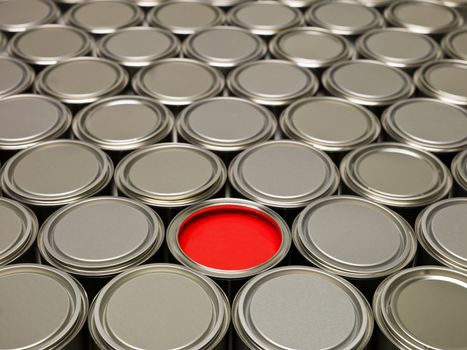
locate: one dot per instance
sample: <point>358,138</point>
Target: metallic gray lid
<point>330,124</point>
<point>441,232</point>
<point>50,44</point>
<point>429,124</point>
<point>159,306</point>
<point>170,174</point>
<point>123,123</point>
<point>423,308</point>
<point>284,174</point>
<point>42,307</point>
<point>398,47</point>
<point>343,17</point>
<point>311,47</point>
<point>226,124</point>
<point>56,173</point>
<point>455,44</point>
<point>16,76</point>
<point>18,230</point>
<point>224,46</point>
<point>104,16</point>
<point>445,80</point>
<point>367,82</point>
<point>100,236</point>
<point>272,82</point>
<point>366,242</point>
<point>395,174</point>
<point>298,307</point>
<point>81,80</point>
<point>459,169</point>
<point>185,17</point>
<point>138,46</point>
<point>264,17</point>
<point>178,81</point>
<point>19,15</point>
<point>420,16</point>
<point>28,119</point>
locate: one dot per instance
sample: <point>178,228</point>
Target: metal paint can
<point>453,44</point>
<point>459,173</point>
<point>16,75</point>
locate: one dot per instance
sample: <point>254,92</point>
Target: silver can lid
<point>81,80</point>
<point>330,124</point>
<point>55,173</point>
<point>367,82</point>
<point>420,16</point>
<point>311,47</point>
<point>354,237</point>
<point>423,308</point>
<point>272,82</point>
<point>444,79</point>
<point>104,16</point>
<point>16,75</point>
<point>42,307</point>
<point>395,174</point>
<point>178,81</point>
<point>123,123</point>
<point>429,124</point>
<point>455,44</point>
<point>226,124</point>
<point>28,119</point>
<point>298,307</point>
<point>459,169</point>
<point>185,310</point>
<point>100,236</point>
<point>264,17</point>
<point>19,15</point>
<point>284,174</point>
<point>138,46</point>
<point>18,231</point>
<point>170,174</point>
<point>224,46</point>
<point>398,47</point>
<point>343,17</point>
<point>185,17</point>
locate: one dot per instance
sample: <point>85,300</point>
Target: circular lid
<point>81,80</point>
<point>28,119</point>
<point>272,82</point>
<point>421,16</point>
<point>19,15</point>
<point>264,17</point>
<point>101,236</point>
<point>285,174</point>
<point>398,47</point>
<point>185,17</point>
<point>56,173</point>
<point>444,80</point>
<point>50,44</point>
<point>396,174</point>
<point>330,124</point>
<point>42,307</point>
<point>104,16</point>
<point>455,44</point>
<point>459,169</point>
<point>16,76</point>
<point>368,241</point>
<point>189,174</point>
<point>431,125</point>
<point>178,81</point>
<point>311,47</point>
<point>159,306</point>
<point>298,307</point>
<point>228,238</point>
<point>123,123</point>
<point>343,17</point>
<point>366,82</point>
<point>423,308</point>
<point>18,230</point>
<point>138,46</point>
<point>226,124</point>
<point>224,46</point>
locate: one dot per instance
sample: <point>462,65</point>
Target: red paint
<point>229,237</point>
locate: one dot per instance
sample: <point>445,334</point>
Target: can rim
<point>447,44</point>
<point>52,16</point>
<point>26,80</point>
<point>298,3</point>
<point>458,171</point>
